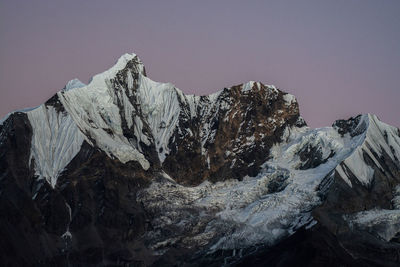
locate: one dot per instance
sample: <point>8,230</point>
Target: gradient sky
<point>340,57</point>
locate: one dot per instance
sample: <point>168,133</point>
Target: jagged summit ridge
<point>131,170</point>
<point>127,115</point>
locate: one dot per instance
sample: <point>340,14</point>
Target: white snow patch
<point>289,99</point>
<point>248,86</point>
<point>343,175</point>
<point>359,168</point>
<point>381,223</point>
<point>72,84</point>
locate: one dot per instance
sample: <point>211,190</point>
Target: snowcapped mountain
<point>129,171</point>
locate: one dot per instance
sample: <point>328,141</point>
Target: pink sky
<point>339,58</point>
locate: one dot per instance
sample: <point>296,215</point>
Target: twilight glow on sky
<point>339,57</point>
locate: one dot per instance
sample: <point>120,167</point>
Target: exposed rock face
<point>229,137</point>
<point>128,171</point>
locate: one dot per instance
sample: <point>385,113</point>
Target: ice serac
<point>128,171</point>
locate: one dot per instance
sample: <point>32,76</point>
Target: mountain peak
<point>135,171</point>
<point>253,85</point>
<point>74,83</point>
<point>129,60</point>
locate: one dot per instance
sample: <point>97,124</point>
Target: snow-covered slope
<point>378,139</point>
<point>160,106</point>
<point>55,141</point>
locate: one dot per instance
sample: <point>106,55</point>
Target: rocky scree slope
<point>125,170</point>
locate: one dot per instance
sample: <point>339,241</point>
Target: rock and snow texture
<point>377,139</point>
<point>249,126</point>
<point>100,111</point>
<point>89,112</point>
<point>258,210</point>
<point>127,115</point>
<point>384,224</point>
<point>96,111</point>
<point>124,94</point>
